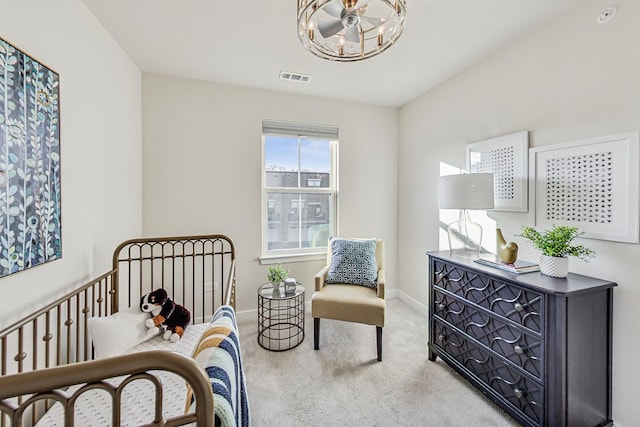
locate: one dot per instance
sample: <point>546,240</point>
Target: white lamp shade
<point>466,191</point>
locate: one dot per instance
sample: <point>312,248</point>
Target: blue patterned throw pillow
<point>353,262</point>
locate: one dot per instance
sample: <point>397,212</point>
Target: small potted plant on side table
<point>555,245</point>
<point>276,275</point>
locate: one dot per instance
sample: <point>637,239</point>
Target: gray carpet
<point>342,384</point>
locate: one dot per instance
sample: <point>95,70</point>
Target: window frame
<point>298,254</point>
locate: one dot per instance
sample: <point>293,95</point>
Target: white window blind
<point>299,129</point>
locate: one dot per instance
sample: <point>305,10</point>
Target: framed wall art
<point>591,184</point>
<point>506,157</point>
<point>30,232</point>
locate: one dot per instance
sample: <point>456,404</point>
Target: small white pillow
<point>115,334</point>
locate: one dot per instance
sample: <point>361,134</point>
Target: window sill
<point>286,258</point>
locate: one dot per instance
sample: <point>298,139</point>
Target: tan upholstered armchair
<point>350,302</point>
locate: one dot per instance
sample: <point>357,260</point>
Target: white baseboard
<point>413,303</point>
<point>391,294</point>
<point>247,316</point>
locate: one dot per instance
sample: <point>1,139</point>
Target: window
<point>299,188</point>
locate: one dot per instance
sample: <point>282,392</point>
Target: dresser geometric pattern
<point>514,385</point>
<point>511,302</point>
<point>501,333</point>
<point>524,350</point>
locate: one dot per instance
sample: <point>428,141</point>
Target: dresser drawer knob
<point>442,306</point>
<point>441,338</point>
<point>518,349</point>
<point>518,306</point>
<point>518,393</point>
<point>442,277</point>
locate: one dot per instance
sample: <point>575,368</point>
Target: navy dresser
<point>539,347</point>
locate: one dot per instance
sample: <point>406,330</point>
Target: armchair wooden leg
<point>379,341</point>
<point>316,333</point>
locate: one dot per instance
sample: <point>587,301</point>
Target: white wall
<point>202,163</point>
<point>100,143</point>
<point>200,152</point>
<point>570,80</point>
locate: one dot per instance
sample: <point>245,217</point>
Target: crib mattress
<point>138,397</point>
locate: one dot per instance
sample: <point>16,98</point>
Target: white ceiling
<point>249,42</point>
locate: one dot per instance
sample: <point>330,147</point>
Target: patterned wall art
<point>590,184</point>
<point>506,157</point>
<point>30,231</point>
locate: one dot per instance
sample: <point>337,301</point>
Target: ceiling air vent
<point>295,77</point>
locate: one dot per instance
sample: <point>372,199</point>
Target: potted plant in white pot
<point>556,247</point>
<point>276,275</point>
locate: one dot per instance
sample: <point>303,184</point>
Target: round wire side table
<point>280,317</point>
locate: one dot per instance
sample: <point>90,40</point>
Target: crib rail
<point>56,334</point>
<point>48,385</point>
<point>196,271</point>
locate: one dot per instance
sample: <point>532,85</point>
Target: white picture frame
<point>507,158</point>
<point>591,184</point>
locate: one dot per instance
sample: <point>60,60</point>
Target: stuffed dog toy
<point>166,314</point>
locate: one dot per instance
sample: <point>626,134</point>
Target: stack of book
<point>517,267</point>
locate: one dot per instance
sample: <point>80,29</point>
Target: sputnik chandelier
<point>350,30</point>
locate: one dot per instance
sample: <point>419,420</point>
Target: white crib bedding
<point>138,399</point>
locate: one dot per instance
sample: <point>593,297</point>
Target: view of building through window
<point>299,191</point>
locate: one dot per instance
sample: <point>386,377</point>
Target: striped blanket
<point>218,352</point>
